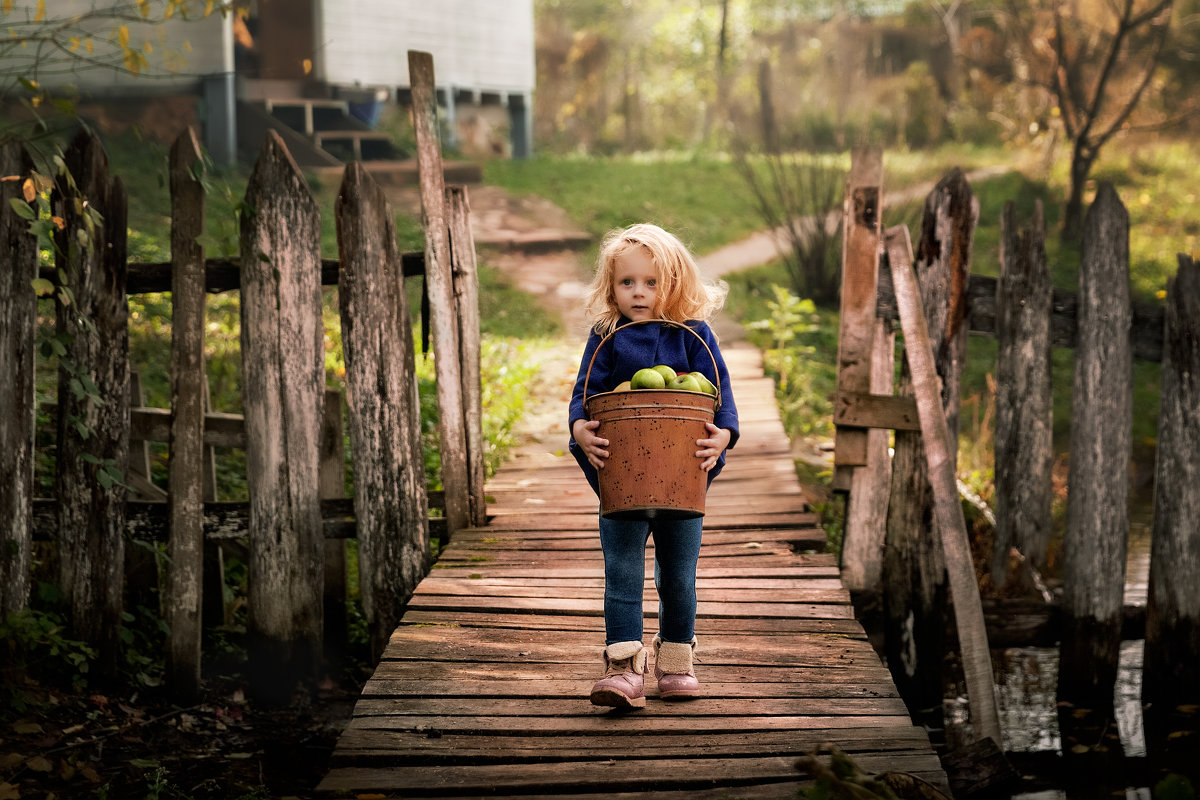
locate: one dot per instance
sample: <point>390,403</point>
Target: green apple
<point>647,379</point>
<point>623,386</point>
<point>667,373</point>
<point>706,385</point>
<point>685,382</point>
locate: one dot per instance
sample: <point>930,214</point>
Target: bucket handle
<point>610,334</point>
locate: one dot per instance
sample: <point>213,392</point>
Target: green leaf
<point>143,763</point>
<point>42,287</point>
<point>22,208</point>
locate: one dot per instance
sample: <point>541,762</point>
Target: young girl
<point>645,273</point>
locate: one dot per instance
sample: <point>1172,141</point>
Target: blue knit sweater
<point>647,345</point>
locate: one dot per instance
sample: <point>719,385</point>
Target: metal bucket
<point>652,471</point>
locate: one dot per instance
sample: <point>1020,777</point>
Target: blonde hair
<point>682,295</point>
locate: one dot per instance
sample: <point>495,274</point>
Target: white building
<point>349,51</point>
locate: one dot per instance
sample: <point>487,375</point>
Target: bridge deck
<point>483,687</point>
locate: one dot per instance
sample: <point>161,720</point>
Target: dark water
<point>1026,679</point>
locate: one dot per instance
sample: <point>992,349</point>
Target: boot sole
<point>677,696</point>
<point>611,698</point>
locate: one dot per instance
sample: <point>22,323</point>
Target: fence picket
<point>186,460</point>
<point>384,413</point>
<point>440,286</point>
<point>1172,660</point>
<point>466,307</point>
<point>914,571</point>
<point>91,511</point>
<point>1024,401</point>
<point>18,320</point>
<point>1097,528</point>
<point>283,383</point>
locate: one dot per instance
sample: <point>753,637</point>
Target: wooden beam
<point>862,410</point>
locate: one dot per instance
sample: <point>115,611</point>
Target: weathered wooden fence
<point>892,550</point>
<point>295,520</point>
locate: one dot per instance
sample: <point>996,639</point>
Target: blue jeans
<point>676,551</point>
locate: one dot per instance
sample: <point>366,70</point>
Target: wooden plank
<point>185,461</point>
<point>595,607</point>
<point>777,625</point>
<point>875,411</point>
<point>613,775</point>
<point>399,746</point>
<point>860,268</point>
<point>450,675</point>
<point>713,706</point>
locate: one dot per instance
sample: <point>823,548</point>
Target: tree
<point>1099,62</point>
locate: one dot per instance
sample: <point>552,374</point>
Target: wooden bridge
<point>483,687</point>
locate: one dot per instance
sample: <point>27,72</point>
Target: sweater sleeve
<point>597,381</point>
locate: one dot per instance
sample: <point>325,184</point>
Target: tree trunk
<point>1024,402</point>
<point>1082,159</point>
<point>93,436</point>
<point>1097,500</point>
<point>283,383</point>
<point>18,334</point>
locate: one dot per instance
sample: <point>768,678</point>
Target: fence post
<point>90,505</point>
<point>18,320</point>
<point>939,448</point>
<point>390,505</point>
<point>466,304</point>
<point>186,462</point>
<point>283,383</point>
<point>1024,401</point>
<point>440,285</point>
<point>866,361</point>
<point>1171,675</point>
<point>914,570</point>
<point>1097,499</point>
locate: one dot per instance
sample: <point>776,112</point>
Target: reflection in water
<point>1027,679</point>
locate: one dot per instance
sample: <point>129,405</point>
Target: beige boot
<point>674,671</point>
<point>624,681</point>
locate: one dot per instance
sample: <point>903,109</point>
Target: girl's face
<point>635,283</point>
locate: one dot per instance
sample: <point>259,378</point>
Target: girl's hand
<point>593,446</point>
<point>712,448</point>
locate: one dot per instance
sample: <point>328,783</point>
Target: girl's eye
<point>652,283</point>
<point>627,282</point>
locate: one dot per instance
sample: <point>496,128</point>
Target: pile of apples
<point>663,377</point>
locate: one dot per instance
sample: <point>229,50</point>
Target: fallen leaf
<point>39,764</point>
<point>9,792</point>
<point>26,728</point>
